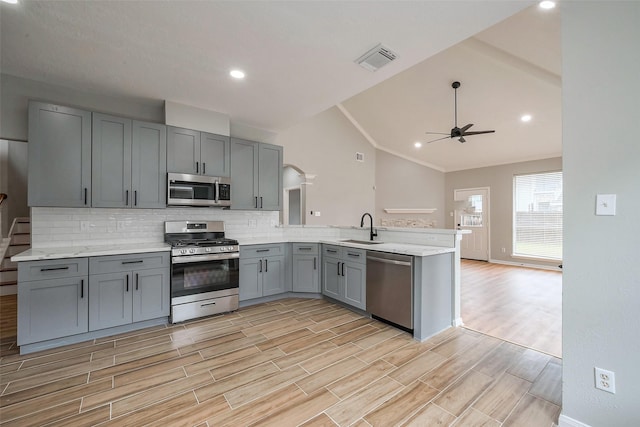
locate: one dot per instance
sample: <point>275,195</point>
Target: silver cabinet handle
<point>127,198</point>
<point>256,202</point>
<point>353,255</point>
<point>197,167</point>
<point>209,303</point>
<point>389,261</point>
<point>260,271</point>
<point>135,198</point>
<point>306,248</point>
<point>138,261</point>
<point>127,282</point>
<point>266,265</point>
<point>203,168</point>
<point>261,206</point>
<point>314,263</point>
<point>81,288</point>
<point>137,281</point>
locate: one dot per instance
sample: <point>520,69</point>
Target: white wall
<point>404,184</point>
<point>326,145</point>
<point>601,282</point>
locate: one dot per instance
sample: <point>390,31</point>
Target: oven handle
<point>200,258</point>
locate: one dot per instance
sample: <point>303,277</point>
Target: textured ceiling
<point>299,56</point>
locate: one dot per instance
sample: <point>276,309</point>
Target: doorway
<point>472,213</point>
<point>294,197</point>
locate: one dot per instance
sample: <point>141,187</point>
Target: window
<point>537,215</point>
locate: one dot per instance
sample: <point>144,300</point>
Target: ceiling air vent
<point>376,58</point>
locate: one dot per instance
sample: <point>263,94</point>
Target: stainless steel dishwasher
<point>390,288</point>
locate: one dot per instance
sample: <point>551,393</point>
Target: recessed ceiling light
<point>526,118</point>
<point>237,74</point>
<point>417,144</point>
<point>547,4</point>
<point>11,1</point>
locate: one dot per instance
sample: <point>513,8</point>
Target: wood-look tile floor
<point>516,304</point>
<point>285,363</point>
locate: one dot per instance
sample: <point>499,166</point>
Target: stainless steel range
<point>204,269</point>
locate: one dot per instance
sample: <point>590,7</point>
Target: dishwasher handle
<point>389,261</point>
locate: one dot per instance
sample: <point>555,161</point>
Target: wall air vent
<point>359,157</point>
<point>376,58</point>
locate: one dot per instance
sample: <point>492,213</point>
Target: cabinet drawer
<point>331,251</point>
<point>52,269</point>
<point>260,251</point>
<point>305,249</point>
<point>116,263</point>
<point>355,255</point>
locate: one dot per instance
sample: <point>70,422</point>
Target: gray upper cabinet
<point>270,177</point>
<point>149,165</point>
<point>244,179</point>
<point>111,161</point>
<point>215,154</point>
<point>183,148</point>
<point>256,175</point>
<point>199,153</point>
<point>59,165</point>
<point>128,163</point>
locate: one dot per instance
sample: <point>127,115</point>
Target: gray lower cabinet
<point>53,300</point>
<point>59,164</point>
<point>344,275</point>
<point>262,271</point>
<point>256,174</point>
<point>128,288</point>
<point>128,167</point>
<point>306,267</point>
<point>197,153</point>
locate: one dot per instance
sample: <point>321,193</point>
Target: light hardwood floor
<point>516,304</point>
<point>286,363</point>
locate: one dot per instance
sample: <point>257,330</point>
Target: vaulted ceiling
<point>299,59</point>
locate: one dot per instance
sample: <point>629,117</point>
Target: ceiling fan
<point>457,132</point>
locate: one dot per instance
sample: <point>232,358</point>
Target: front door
<point>472,213</point>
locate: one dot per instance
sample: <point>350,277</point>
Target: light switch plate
<point>605,204</point>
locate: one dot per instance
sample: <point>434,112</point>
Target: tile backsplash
<point>56,227</point>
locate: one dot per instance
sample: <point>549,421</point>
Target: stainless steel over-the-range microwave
<point>198,190</point>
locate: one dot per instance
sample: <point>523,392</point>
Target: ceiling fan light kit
<point>457,132</point>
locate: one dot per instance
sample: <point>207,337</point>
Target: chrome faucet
<point>372,233</point>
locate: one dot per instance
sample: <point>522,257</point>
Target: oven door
<point>204,273</point>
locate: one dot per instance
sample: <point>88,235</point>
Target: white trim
<point>457,322</point>
<point>410,210</point>
<point>522,264</point>
<point>565,421</point>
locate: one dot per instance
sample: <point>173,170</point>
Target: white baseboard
<point>457,322</point>
<point>565,421</point>
<point>524,264</point>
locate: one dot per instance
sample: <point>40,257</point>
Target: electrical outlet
<point>605,380</point>
<point>120,225</point>
<point>504,250</point>
<point>84,225</point>
<point>253,223</point>
<point>316,213</point>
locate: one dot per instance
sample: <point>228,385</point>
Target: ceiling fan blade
<point>434,140</point>
<point>478,132</point>
<point>436,133</point>
<point>463,129</point>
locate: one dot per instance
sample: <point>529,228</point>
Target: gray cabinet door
<point>183,150</point>
<point>273,275</point>
<point>149,165</point>
<point>54,308</point>
<point>270,177</point>
<point>111,162</point>
<point>150,294</point>
<point>331,278</point>
<point>306,273</point>
<point>250,278</point>
<point>215,154</point>
<point>59,165</point>
<point>244,179</point>
<point>110,300</point>
<point>354,278</point>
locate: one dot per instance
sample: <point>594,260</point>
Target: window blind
<point>537,215</point>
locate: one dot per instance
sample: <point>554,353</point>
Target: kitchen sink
<point>361,242</point>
